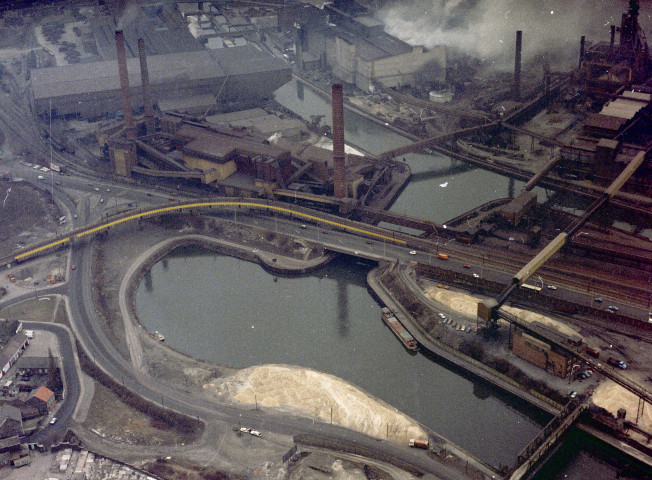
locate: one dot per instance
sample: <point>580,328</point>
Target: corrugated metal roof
<point>618,111</point>
<point>199,65</point>
<point>103,76</point>
<point>638,96</point>
<point>605,122</point>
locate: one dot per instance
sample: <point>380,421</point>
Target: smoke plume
<point>486,28</point>
<point>129,14</point>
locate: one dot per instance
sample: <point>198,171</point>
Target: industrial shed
<point>92,90</point>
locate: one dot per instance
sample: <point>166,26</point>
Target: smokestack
<point>517,66</point>
<point>130,129</point>
<point>582,41</point>
<point>339,176</point>
<point>147,94</point>
<point>613,38</point>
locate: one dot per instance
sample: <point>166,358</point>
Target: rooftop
<point>42,393</point>
<point>184,67</point>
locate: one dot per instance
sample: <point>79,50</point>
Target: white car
<point>475,275</point>
<point>552,287</point>
<point>256,433</point>
<point>53,421</point>
<point>413,252</point>
<point>245,430</point>
<point>40,177</point>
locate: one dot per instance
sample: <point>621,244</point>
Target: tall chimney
<point>582,42</point>
<point>612,39</point>
<point>147,93</point>
<point>130,128</point>
<point>339,165</point>
<point>517,66</point>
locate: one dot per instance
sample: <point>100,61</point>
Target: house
<point>8,446</point>
<point>11,421</point>
<point>12,351</point>
<point>41,398</point>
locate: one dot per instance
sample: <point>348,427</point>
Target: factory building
<point>358,50</point>
<point>540,353</point>
<point>90,90</point>
<point>182,72</point>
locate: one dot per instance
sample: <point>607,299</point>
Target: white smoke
<point>129,15</point>
<point>486,29</point>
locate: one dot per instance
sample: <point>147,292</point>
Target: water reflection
<point>326,321</point>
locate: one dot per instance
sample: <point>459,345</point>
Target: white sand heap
<point>611,396</point>
<point>317,395</point>
<point>467,305</point>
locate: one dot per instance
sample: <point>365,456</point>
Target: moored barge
<point>399,330</point>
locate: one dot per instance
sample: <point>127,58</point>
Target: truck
<point>594,352</point>
<point>614,362</point>
<point>442,256</point>
<point>418,444</point>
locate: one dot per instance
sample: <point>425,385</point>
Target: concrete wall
<point>220,170</point>
<point>402,69</point>
<point>345,62</point>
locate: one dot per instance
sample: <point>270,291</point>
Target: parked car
<point>53,421</point>
<point>552,287</point>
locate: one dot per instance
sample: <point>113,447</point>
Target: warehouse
<point>92,90</point>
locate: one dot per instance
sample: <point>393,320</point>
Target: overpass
<point>108,222</point>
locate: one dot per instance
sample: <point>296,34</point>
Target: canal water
<point>327,321</point>
<point>441,188</point>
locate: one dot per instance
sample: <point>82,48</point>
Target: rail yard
<point>134,134</point>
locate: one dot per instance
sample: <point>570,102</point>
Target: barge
<point>399,330</point>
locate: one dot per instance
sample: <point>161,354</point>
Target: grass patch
<point>39,309</point>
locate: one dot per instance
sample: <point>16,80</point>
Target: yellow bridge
<point>271,206</point>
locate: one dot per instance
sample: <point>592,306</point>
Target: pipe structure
<point>147,92</point>
<point>517,66</point>
<point>339,164</point>
<point>130,128</point>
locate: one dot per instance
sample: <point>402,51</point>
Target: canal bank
<point>390,296</point>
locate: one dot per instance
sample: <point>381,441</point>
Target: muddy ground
<point>27,214</point>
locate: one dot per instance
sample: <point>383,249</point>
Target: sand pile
<point>611,396</point>
<point>467,305</point>
<point>458,302</point>
<point>316,394</point>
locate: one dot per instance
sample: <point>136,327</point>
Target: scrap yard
<point>451,205</point>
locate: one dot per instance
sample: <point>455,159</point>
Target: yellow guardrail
<point>180,207</point>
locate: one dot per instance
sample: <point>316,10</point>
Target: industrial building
<point>540,353</point>
<point>357,49</point>
<point>181,70</point>
<point>91,90</point>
